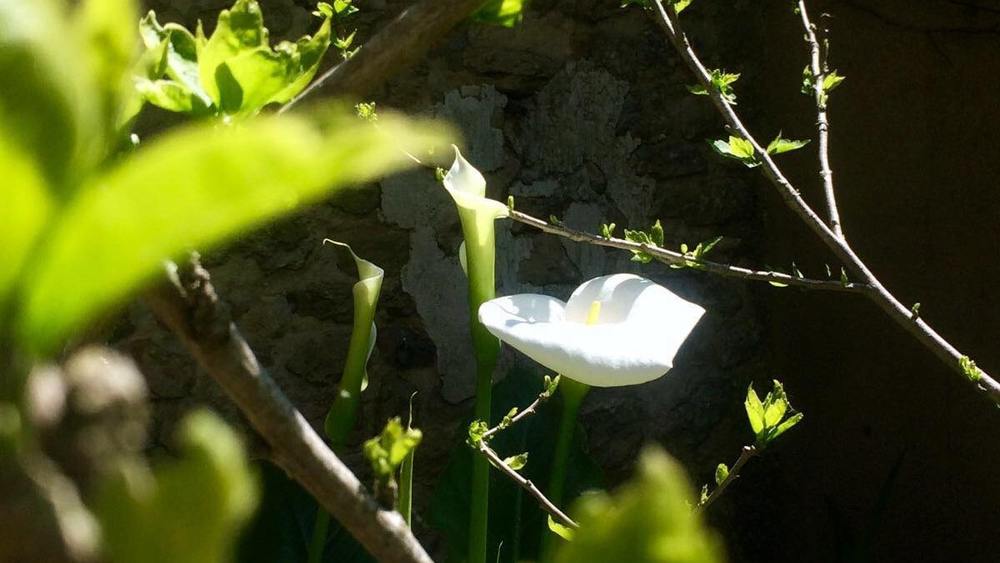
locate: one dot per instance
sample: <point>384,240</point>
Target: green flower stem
<point>341,418</point>
<point>481,271</point>
<point>573,393</point>
<point>480,265</point>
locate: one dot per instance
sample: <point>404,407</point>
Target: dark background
<point>582,112</point>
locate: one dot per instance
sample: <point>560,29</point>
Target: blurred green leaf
<point>194,188</point>
<point>48,103</point>
<point>26,207</point>
<point>188,509</point>
<point>108,31</point>
<point>505,13</point>
<point>647,520</point>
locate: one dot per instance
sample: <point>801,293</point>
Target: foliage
<point>150,516</point>
<point>505,13</point>
<point>235,72</point>
<point>109,227</point>
<point>653,238</point>
<point>722,82</point>
<point>648,520</point>
<point>386,453</point>
<point>771,417</point>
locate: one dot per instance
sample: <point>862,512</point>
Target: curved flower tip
<point>467,187</point>
<point>629,337</point>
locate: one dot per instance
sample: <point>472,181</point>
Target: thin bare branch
<point>189,306</point>
<point>527,485</point>
<point>667,19</point>
<point>819,71</point>
<point>676,258</point>
<point>745,456</point>
<point>401,42</point>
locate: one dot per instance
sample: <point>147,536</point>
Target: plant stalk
<point>573,393</point>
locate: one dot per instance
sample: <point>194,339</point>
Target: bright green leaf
<point>192,189</point>
<point>564,532</point>
<point>23,214</point>
<point>721,473</point>
<point>170,95</point>
<point>785,426</point>
<point>505,13</point>
<point>780,145</point>
<point>516,462</point>
<point>755,410</point>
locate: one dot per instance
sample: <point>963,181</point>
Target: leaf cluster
<point>235,72</point>
<point>741,149</point>
<point>722,82</point>
<point>652,238</point>
<point>387,451</point>
<point>771,417</point>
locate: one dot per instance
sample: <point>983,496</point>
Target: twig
<point>667,18</point>
<point>402,41</point>
<point>818,67</point>
<point>745,455</point>
<point>528,411</point>
<point>189,306</point>
<point>672,257</point>
<point>526,485</point>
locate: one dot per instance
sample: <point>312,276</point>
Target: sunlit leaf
<point>192,189</point>
<point>22,216</point>
<point>108,31</point>
<point>780,145</point>
<point>755,411</point>
<point>506,13</point>
<point>564,532</point>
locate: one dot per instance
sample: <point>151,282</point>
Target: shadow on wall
<point>897,459</point>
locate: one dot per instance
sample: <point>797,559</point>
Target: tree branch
<point>745,455</point>
<point>676,258</point>
<point>527,485</point>
<point>400,42</point>
<point>667,19</point>
<point>189,306</point>
<point>818,68</point>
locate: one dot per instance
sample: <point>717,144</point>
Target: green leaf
<point>970,369</point>
<point>108,31</point>
<point>191,189</point>
<point>180,51</point>
<point>477,428</point>
<point>564,532</point>
<point>831,81</point>
<point>737,148</point>
<point>648,519</point>
<point>241,73</point>
<point>387,451</point>
<point>171,96</point>
<point>755,410</point>
<point>49,104</point>
<point>505,13</point>
<point>656,233</point>
<point>721,473</point>
<point>680,5</point>
<point>780,145</point>
<point>785,426</point>
<point>148,516</point>
<point>26,208</point>
<point>516,462</point>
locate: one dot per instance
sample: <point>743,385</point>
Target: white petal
<point>640,328</point>
<point>463,178</point>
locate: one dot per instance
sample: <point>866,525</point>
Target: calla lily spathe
<point>629,336</point>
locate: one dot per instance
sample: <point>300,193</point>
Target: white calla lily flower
<point>615,330</point>
<point>467,187</point>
